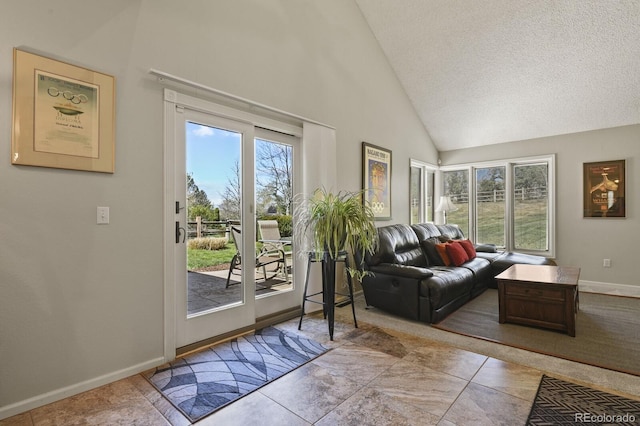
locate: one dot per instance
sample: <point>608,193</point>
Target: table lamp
<point>445,205</point>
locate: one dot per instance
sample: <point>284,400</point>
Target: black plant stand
<point>328,287</point>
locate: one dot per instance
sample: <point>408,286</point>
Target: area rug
<point>205,381</point>
<point>607,331</point>
<point>563,403</point>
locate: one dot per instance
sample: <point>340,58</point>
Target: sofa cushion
<point>481,269</point>
<point>431,252</point>
<point>446,284</point>
<point>469,248</point>
<point>486,248</point>
<point>442,252</point>
<point>457,254</point>
<point>451,231</point>
<point>425,231</point>
<point>505,260</point>
<point>397,244</point>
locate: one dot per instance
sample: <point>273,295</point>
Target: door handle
<point>179,231</point>
<point>178,208</point>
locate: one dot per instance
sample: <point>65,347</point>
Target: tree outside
<point>273,186</point>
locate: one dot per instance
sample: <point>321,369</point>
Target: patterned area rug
<point>205,381</point>
<point>563,403</point>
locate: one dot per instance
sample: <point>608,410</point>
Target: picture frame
<point>376,179</point>
<point>604,187</point>
<point>63,115</point>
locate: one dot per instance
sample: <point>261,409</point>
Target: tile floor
<point>374,375</point>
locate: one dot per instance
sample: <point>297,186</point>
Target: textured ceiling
<point>490,71</point>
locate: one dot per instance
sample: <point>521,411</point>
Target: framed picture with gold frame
<point>376,179</point>
<point>604,189</point>
<point>63,115</point>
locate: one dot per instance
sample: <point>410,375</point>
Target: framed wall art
<point>376,179</point>
<point>604,189</point>
<point>63,115</point>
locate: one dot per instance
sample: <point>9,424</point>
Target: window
<point>456,186</point>
<point>511,203</point>
<point>490,205</point>
<point>421,190</point>
<point>531,207</point>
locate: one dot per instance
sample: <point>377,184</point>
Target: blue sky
<point>211,155</point>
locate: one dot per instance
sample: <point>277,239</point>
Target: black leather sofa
<point>408,277</point>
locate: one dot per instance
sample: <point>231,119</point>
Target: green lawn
<point>200,259</point>
<point>530,217</point>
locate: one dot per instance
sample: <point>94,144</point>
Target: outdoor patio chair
<point>261,260</point>
<point>273,243</point>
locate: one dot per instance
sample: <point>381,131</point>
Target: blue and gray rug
<point>205,381</point>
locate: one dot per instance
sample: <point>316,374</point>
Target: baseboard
<point>58,394</point>
<point>609,288</point>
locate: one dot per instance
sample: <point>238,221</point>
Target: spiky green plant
<point>335,222</point>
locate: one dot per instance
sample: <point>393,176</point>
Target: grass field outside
<point>202,260</point>
<point>199,260</point>
<point>530,224</point>
<point>530,231</point>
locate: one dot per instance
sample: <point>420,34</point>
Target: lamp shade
<point>446,205</point>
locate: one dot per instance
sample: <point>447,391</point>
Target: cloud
<point>203,131</point>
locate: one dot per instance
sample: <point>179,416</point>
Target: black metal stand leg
<point>329,267</point>
<point>324,287</point>
<point>350,284</point>
<point>304,293</point>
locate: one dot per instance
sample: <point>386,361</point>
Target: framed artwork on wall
<point>604,189</point>
<point>63,115</point>
<point>376,179</point>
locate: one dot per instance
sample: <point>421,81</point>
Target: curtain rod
<point>166,76</point>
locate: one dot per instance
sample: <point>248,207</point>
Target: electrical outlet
<point>606,263</point>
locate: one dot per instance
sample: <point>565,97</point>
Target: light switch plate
<point>103,216</point>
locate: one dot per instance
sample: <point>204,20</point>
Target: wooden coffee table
<point>540,296</point>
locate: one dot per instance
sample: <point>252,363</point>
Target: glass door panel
<point>217,257</point>
<point>214,216</point>
<point>274,206</point>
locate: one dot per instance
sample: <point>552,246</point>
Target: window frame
<point>441,182</point>
<point>510,165</point>
<point>425,190</point>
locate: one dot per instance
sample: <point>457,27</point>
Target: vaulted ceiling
<point>483,72</point>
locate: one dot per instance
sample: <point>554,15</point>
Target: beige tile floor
<point>373,375</point>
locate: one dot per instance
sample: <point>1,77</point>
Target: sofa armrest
<point>401,271</point>
<point>486,248</point>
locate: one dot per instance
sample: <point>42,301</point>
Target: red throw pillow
<point>442,251</point>
<point>456,253</point>
<point>469,248</point>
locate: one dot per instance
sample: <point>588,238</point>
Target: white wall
<point>81,304</point>
<point>583,242</point>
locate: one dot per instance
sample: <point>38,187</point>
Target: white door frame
<point>174,100</point>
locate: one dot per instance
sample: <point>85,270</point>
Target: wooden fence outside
<point>210,228</point>
<point>522,194</point>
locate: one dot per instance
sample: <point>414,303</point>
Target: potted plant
<point>331,223</point>
<point>328,225</point>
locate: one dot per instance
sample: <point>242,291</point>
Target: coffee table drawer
<point>532,290</point>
